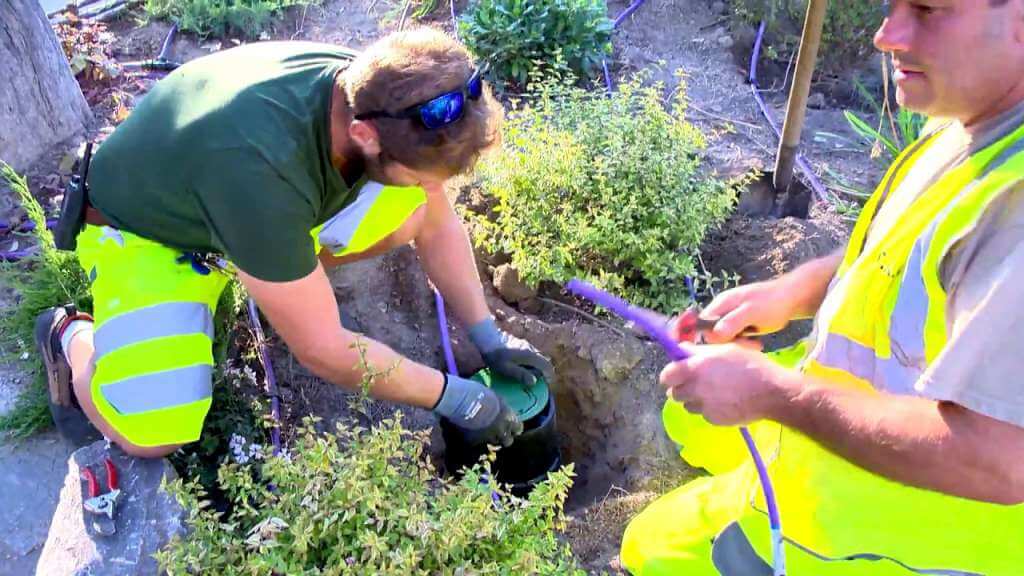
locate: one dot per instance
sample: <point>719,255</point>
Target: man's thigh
<point>153,336</point>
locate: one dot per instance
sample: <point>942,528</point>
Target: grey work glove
<point>509,356</point>
<point>482,415</point>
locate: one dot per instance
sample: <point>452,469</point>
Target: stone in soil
<point>146,517</point>
<point>509,285</point>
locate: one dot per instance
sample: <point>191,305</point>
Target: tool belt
<point>75,210</point>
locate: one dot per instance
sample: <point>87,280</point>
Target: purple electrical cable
<point>268,369</point>
<point>802,164</point>
<point>15,256</point>
<point>627,13</point>
<point>25,226</point>
<point>442,326</point>
<point>615,24</point>
<point>643,319</point>
<point>449,357</point>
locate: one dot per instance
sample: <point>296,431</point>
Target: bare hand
<point>729,384</point>
<point>759,308</point>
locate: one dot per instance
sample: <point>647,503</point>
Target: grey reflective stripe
<point>845,354</point>
<point>888,374</point>
<point>158,321</point>
<point>733,555</point>
<point>338,231</point>
<point>1003,157</point>
<point>871,557</point>
<point>160,389</point>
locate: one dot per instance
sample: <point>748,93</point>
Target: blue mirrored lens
<point>443,110</point>
<point>475,86</point>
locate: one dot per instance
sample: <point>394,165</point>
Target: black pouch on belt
<point>72,209</point>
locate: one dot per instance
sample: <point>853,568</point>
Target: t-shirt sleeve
<point>259,220</point>
<point>981,367</point>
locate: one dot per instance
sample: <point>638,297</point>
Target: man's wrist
<point>787,396</point>
<point>486,336</point>
<point>809,283</point>
<point>444,388</point>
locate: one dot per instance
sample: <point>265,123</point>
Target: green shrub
<point>516,37</point>
<point>893,133</point>
<point>846,38</point>
<point>367,502</point>
<point>609,189</point>
<point>220,17</point>
<point>49,277</point>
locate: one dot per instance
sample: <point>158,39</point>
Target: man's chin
<point>913,100</point>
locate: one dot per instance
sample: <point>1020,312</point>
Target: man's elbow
<point>323,361</point>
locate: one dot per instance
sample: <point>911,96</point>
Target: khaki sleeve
<point>982,367</point>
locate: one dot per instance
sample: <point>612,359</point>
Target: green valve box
<point>527,401</point>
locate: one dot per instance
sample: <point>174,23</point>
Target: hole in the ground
<point>760,199</point>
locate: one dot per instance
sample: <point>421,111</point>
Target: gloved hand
<point>481,414</point>
<point>509,356</point>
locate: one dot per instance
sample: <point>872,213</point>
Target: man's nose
<point>896,31</point>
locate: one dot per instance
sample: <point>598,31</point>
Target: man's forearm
<point>808,283</point>
<point>350,359</point>
<point>916,441</point>
<point>447,257</point>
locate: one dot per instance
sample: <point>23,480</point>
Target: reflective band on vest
<point>377,212</point>
<point>158,321</point>
<point>160,389</point>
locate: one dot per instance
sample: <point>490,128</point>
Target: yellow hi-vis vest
<point>882,323</point>
<point>377,211</point>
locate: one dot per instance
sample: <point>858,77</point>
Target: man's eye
<point>923,10</point>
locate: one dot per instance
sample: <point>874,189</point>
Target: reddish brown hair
<point>407,68</point>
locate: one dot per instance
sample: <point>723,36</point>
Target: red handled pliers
<point>690,327</point>
<point>101,506</point>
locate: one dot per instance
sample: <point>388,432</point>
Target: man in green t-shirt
<point>280,158</point>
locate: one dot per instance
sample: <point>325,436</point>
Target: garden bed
<point>607,395</point>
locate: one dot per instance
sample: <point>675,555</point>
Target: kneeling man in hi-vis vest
<point>274,161</point>
<point>894,434</point>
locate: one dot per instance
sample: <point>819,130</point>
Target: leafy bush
<point>893,133</point>
<point>87,46</point>
<point>516,37</point>
<point>891,137</point>
<point>219,17</point>
<point>367,502</point>
<point>48,277</point>
<point>846,38</point>
<point>609,189</point>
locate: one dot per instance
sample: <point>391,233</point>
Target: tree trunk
<point>40,101</point>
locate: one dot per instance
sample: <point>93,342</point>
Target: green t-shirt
<point>231,154</point>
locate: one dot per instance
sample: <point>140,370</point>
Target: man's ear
<point>365,136</point>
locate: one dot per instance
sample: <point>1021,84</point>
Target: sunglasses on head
<point>439,111</point>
